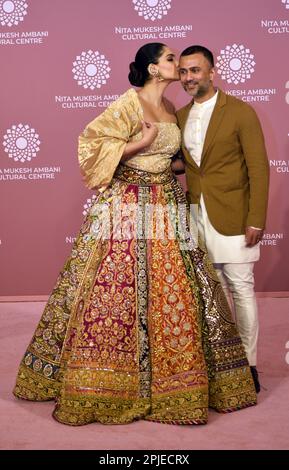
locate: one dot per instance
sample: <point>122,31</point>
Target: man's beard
<point>199,90</point>
<point>202,91</point>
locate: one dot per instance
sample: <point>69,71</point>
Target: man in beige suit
<point>227,176</point>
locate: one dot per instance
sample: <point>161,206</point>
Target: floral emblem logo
<point>286,3</point>
<point>12,12</point>
<point>235,64</point>
<point>91,69</point>
<point>152,9</point>
<point>21,142</point>
<point>88,205</point>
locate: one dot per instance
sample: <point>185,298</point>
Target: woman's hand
<point>149,133</point>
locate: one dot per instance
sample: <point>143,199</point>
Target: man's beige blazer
<point>234,173</point>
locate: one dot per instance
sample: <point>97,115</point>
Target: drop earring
<point>159,77</point>
<point>156,74</point>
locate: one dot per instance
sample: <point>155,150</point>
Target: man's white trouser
<point>237,279</point>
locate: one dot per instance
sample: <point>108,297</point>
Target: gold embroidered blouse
<point>102,143</point>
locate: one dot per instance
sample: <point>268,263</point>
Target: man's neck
<point>206,97</point>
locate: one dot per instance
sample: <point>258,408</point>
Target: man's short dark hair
<point>199,50</point>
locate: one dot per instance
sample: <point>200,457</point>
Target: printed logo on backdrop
<point>152,11</point>
<point>13,12</point>
<point>21,143</point>
<point>272,239</point>
<point>277,25</point>
<point>236,65</point>
<point>280,166</point>
<point>91,71</point>
<point>69,239</point>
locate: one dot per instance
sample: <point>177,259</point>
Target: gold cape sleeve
<point>101,144</point>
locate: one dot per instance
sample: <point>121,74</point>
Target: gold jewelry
<point>155,74</point>
<point>159,77</point>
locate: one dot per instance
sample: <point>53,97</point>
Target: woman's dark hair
<point>147,54</point>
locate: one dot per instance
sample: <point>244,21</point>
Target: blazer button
<point>202,172</point>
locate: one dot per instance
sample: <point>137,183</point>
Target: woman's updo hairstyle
<point>147,54</point>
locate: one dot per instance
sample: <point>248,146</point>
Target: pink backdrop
<point>63,62</point>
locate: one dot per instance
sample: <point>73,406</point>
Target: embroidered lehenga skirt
<point>137,326</point>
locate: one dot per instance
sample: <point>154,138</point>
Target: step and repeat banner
<point>64,61</point>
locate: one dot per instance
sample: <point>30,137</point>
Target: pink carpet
<point>27,425</point>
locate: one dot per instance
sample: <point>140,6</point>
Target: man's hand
<point>253,236</point>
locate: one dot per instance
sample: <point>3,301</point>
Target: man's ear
<point>212,74</point>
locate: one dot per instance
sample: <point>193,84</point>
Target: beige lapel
<point>214,123</point>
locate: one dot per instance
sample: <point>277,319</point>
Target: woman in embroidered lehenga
<point>136,326</point>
